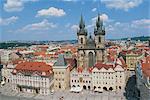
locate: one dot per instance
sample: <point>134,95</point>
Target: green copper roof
<point>60,61</point>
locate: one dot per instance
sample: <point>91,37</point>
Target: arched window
<point>99,39</point>
<point>81,40</point>
<point>91,59</point>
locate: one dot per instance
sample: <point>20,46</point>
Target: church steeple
<point>82,30</point>
<point>81,24</point>
<point>99,27</point>
<point>98,22</point>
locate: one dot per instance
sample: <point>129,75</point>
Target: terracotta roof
<point>124,52</point>
<point>80,69</point>
<point>100,65</point>
<point>146,67</point>
<point>32,67</point>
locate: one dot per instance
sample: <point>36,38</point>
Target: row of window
<point>31,77</point>
<point>59,79</point>
<point>84,81</point>
<point>104,83</point>
<point>59,73</point>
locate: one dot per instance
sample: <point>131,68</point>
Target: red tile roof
<point>146,67</point>
<point>100,65</point>
<point>34,67</point>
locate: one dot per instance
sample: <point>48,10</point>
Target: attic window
<point>14,71</point>
<point>43,73</point>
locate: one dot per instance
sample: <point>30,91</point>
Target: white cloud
<point>43,25</point>
<point>52,11</point>
<point>142,23</point>
<point>15,5</point>
<point>8,21</point>
<point>74,27</point>
<point>122,4</point>
<point>94,9</point>
<point>104,17</point>
<point>139,27</point>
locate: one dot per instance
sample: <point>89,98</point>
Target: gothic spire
<point>81,24</point>
<point>98,21</point>
<point>82,30</point>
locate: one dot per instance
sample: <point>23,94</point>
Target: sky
<point>59,19</point>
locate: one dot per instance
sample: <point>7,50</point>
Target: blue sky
<point>58,19</point>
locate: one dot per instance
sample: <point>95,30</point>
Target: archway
<point>94,87</point>
<point>89,87</point>
<point>104,88</point>
<point>59,85</point>
<point>73,86</point>
<point>37,91</point>
<point>110,88</point>
<point>84,87</point>
<point>91,59</point>
<point>20,88</point>
<point>119,87</point>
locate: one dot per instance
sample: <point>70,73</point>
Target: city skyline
<point>58,20</point>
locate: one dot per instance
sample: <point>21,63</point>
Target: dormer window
<point>43,73</point>
<point>14,71</point>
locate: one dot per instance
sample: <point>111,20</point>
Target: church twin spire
<point>98,30</point>
<point>82,30</point>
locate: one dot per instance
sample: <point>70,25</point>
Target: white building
<point>33,77</point>
<point>108,77</point>
<point>100,77</point>
<point>81,78</point>
<point>5,56</point>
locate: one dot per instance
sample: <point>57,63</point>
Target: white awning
<point>76,89</point>
<point>98,90</point>
<point>3,82</point>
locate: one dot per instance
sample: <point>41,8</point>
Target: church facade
<point>93,71</point>
<point>91,49</point>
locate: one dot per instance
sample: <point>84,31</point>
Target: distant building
<point>132,57</point>
<point>5,56</point>
<point>61,73</point>
<point>33,77</point>
<point>143,78</point>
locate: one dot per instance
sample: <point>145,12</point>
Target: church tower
<point>90,50</point>
<point>99,32</point>
<point>82,34</point>
<point>82,38</point>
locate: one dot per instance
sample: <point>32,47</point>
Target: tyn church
<point>91,49</point>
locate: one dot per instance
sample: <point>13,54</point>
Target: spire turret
<point>81,24</point>
<point>82,30</point>
<point>99,26</point>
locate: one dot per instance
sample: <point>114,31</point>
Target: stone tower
<point>99,32</point>
<point>91,50</point>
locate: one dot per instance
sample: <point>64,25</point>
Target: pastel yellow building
<point>132,57</point>
<point>61,74</point>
